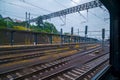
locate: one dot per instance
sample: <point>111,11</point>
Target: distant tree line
<point>46,27</point>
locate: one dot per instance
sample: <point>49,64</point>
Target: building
<point>8,19</point>
<point>16,20</point>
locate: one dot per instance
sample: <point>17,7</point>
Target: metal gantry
<point>81,7</point>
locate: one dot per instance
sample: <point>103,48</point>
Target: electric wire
<point>36,6</point>
<point>7,12</point>
<point>13,4</point>
<point>60,4</point>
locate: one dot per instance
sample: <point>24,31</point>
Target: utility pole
<point>71,33</point>
<point>71,30</point>
<point>78,32</point>
<point>61,32</point>
<point>86,30</point>
<point>26,20</point>
<point>103,38</point>
<point>29,21</point>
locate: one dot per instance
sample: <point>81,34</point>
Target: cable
<point>74,2</point>
<point>82,16</point>
<point>13,4</point>
<point>66,7</point>
<point>95,15</point>
<point>60,4</point>
<point>36,6</point>
<point>95,31</point>
<point>64,22</point>
<point>91,12</point>
<point>19,17</point>
<point>24,7</point>
<point>12,14</point>
<point>79,11</point>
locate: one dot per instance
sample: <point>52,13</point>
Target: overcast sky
<point>96,17</point>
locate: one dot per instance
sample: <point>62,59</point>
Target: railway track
<point>17,57</point>
<point>66,73</point>
<point>25,49</point>
<point>25,73</point>
<point>84,72</point>
<point>11,57</point>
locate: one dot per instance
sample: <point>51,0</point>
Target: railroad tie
<point>43,66</point>
<point>26,79</point>
<point>33,70</point>
<point>46,70</point>
<point>39,68</point>
<point>69,77</point>
<point>60,78</point>
<point>34,76</point>
<point>47,65</point>
<point>72,74</point>
<point>76,72</point>
<point>85,79</point>
<point>59,66</point>
<point>18,74</point>
<point>92,73</point>
<point>80,70</point>
<point>10,77</point>
<point>89,76</point>
<point>51,69</point>
<point>56,67</point>
<point>40,73</point>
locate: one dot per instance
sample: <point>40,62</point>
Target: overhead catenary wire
<point>7,12</point>
<point>16,5</point>
<point>79,11</point>
<point>96,15</point>
<point>13,4</point>
<point>37,6</point>
<point>10,3</point>
<point>11,12</point>
<point>60,4</point>
<point>107,30</point>
<point>92,14</point>
<point>74,2</point>
<point>87,17</point>
<point>90,11</point>
<point>66,7</point>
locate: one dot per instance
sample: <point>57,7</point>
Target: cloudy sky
<point>97,17</point>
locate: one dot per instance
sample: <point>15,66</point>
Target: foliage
<point>2,24</point>
<point>5,24</point>
<point>46,27</point>
<point>19,23</point>
<point>50,28</point>
<point>19,28</point>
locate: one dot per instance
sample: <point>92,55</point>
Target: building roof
<point>8,19</point>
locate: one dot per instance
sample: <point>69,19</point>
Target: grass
<point>20,28</point>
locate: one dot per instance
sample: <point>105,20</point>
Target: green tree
<point>50,28</point>
<point>2,24</point>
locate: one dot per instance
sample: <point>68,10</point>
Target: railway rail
<point>84,72</point>
<point>42,68</point>
<point>35,53</point>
